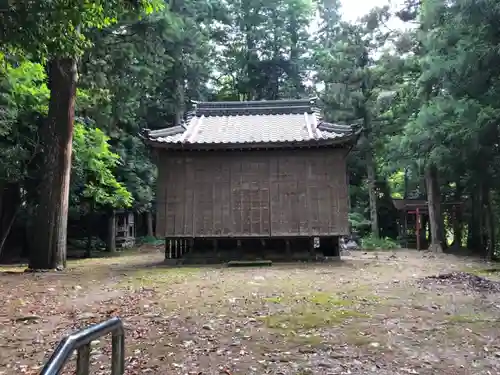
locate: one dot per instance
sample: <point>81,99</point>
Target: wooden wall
<point>252,193</point>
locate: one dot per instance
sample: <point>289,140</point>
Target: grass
<point>289,319</point>
<point>311,319</point>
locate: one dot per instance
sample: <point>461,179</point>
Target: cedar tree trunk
<point>149,221</point>
<point>372,193</point>
<point>434,204</point>
<point>51,218</point>
<point>489,220</point>
<point>457,218</point>
<point>474,241</point>
<point>111,242</point>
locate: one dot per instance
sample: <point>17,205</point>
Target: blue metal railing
<point>81,342</point>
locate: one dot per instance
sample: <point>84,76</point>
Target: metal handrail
<point>81,341</point>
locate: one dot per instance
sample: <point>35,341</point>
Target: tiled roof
<point>253,122</point>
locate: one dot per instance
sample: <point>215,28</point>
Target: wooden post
<point>312,250</point>
<point>288,248</point>
<point>336,246</point>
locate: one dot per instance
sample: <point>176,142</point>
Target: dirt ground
<point>370,314</point>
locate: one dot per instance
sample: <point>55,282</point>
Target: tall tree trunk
<point>424,241</point>
<point>149,222</point>
<point>365,113</point>
<point>457,218</point>
<point>179,93</point>
<point>48,249</point>
<point>474,224</point>
<point>111,243</point>
<point>294,57</point>
<point>489,221</point>
<point>372,192</point>
<point>434,205</point>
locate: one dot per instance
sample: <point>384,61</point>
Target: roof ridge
<point>251,103</point>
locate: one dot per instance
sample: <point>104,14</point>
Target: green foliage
<point>95,243</point>
<point>358,222</point>
<point>149,240</point>
<point>371,242</point>
<point>396,183</point>
<point>26,96</point>
<point>47,28</point>
<point>23,100</point>
<point>425,96</point>
<point>93,166</point>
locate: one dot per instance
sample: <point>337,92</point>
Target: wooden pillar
<point>168,249</point>
<point>336,246</point>
<point>312,250</point>
<point>288,248</point>
<point>190,245</point>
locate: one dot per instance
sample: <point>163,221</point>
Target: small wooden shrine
<point>125,229</point>
<point>414,224</point>
<point>250,175</point>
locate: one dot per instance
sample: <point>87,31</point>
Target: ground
<point>370,314</point>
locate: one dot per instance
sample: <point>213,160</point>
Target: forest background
<point>79,79</point>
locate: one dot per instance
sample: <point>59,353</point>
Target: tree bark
<point>489,221</point>
<point>474,224</point>
<point>372,192</point>
<point>457,218</point>
<point>111,243</point>
<point>424,241</point>
<point>51,218</point>
<point>149,221</point>
<point>434,205</point>
<point>180,94</point>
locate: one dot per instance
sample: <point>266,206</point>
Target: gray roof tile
<point>278,121</point>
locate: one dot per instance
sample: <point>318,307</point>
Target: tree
<point>54,31</point>
<point>264,52</point>
<point>352,82</point>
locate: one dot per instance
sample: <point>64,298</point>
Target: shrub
<point>371,242</point>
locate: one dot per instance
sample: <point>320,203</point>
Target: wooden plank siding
<point>277,193</point>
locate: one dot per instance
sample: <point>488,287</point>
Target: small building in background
<point>124,229</point>
<point>252,180</point>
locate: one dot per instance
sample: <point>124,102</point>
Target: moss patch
<point>472,318</point>
<point>277,299</point>
<point>158,276</point>
<point>13,269</point>
<point>312,311</point>
<point>311,319</point>
<point>490,272</point>
<point>328,300</point>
